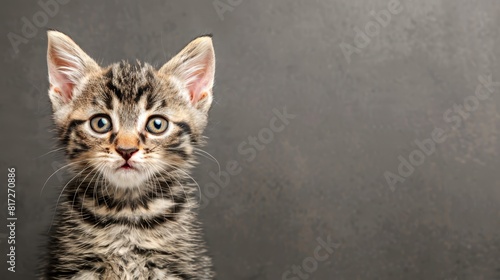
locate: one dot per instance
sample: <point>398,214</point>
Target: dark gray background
<point>322,175</point>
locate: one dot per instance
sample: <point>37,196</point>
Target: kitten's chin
<point>126,177</point>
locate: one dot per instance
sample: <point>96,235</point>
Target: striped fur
<point>129,224</point>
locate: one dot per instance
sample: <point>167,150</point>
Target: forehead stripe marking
<point>150,101</point>
<point>108,100</point>
<point>140,92</point>
<point>118,93</point>
<point>115,90</point>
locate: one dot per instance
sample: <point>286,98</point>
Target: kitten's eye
<point>156,125</point>
<point>101,123</point>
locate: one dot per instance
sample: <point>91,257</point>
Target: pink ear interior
<point>60,82</point>
<point>194,66</point>
<point>199,86</point>
<point>67,65</point>
<point>66,92</point>
<point>60,70</point>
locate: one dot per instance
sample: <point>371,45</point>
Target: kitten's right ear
<point>67,64</point>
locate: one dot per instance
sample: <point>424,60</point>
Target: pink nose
<point>126,153</point>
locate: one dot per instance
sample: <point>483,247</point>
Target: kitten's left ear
<point>68,64</point>
<point>194,66</point>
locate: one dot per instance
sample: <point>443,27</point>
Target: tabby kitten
<point>129,132</point>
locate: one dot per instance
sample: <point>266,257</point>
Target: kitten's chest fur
<point>98,237</point>
<point>124,257</point>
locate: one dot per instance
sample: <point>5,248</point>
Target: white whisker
<point>62,191</point>
<point>67,165</point>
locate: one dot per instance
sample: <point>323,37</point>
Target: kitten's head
<point>127,122</point>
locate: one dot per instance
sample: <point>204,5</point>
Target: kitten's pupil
<point>157,123</point>
<point>102,122</point>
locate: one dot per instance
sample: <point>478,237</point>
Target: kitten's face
<point>128,122</point>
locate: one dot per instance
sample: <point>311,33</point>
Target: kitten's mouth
<point>126,166</point>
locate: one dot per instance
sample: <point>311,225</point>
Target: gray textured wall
<point>356,116</point>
